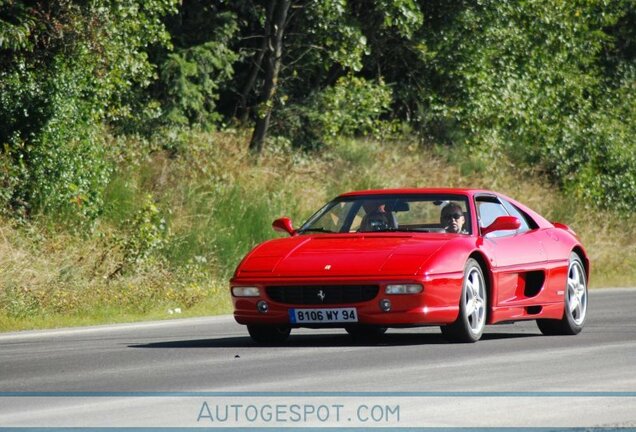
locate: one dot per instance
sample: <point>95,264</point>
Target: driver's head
<point>452,217</point>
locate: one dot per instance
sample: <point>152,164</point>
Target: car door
<point>518,257</point>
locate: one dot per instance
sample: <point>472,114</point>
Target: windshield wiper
<point>322,230</point>
<point>422,230</point>
<point>400,230</point>
<point>381,230</point>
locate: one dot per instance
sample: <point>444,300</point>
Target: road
<point>216,355</point>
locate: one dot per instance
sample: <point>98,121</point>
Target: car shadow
<point>325,341</point>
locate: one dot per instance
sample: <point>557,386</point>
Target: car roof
<point>408,191</point>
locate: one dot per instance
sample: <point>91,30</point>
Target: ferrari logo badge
<point>321,295</point>
<point>328,267</point>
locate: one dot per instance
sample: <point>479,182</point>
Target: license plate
<point>333,315</point>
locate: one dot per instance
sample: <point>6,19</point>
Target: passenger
<point>378,218</point>
<point>452,218</point>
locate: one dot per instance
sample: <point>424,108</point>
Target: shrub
<point>190,79</point>
<point>147,233</point>
<point>67,67</point>
<point>543,84</point>
<point>352,107</point>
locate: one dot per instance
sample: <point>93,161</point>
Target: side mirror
<point>502,223</point>
<point>284,224</point>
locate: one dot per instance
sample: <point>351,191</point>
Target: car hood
<point>342,255</point>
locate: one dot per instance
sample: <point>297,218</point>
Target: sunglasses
<point>453,216</point>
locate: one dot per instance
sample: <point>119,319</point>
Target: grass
<point>175,228</point>
<point>113,315</point>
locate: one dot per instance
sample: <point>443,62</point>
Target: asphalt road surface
<point>216,355</point>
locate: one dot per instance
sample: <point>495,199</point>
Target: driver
<point>452,218</point>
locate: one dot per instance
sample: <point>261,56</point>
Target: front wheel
<point>473,302</point>
<point>575,303</point>
<point>269,335</point>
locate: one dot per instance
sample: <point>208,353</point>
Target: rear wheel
<point>575,309</point>
<point>471,321</point>
<point>269,335</point>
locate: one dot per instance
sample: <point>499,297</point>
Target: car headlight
<point>403,289</point>
<point>245,291</point>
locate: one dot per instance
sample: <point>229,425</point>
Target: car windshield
<point>439,213</point>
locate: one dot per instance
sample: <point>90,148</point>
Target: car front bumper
<point>438,303</point>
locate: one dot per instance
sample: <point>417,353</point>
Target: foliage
<point>352,107</point>
<point>191,79</point>
<point>326,49</point>
<point>66,68</point>
<point>192,75</point>
<point>147,233</point>
<point>547,86</point>
<point>532,82</point>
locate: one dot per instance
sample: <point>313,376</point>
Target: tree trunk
<point>272,63</point>
<point>242,109</point>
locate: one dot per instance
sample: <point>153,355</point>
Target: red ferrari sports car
<point>456,258</point>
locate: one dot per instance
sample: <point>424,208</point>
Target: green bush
<point>146,233</point>
<point>190,79</point>
<point>546,85</point>
<point>352,107</point>
<point>67,68</point>
<point>54,155</point>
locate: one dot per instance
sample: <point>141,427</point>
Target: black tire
<point>365,332</point>
<point>575,303</point>
<point>269,335</point>
<point>473,307</point>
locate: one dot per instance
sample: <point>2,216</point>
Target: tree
<point>67,69</point>
<point>323,42</point>
<point>196,68</point>
<point>542,83</point>
<point>275,24</point>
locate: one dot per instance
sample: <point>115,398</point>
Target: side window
<point>514,211</point>
<point>489,209</point>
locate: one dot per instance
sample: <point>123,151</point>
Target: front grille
<point>322,294</point>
